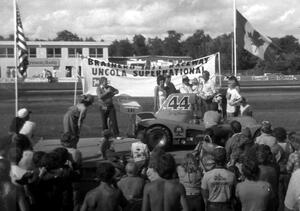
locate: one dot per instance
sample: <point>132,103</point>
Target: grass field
<point>281,107</point>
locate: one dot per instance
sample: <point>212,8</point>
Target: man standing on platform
<point>105,94</point>
<point>208,91</point>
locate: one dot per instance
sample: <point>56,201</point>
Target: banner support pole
<point>234,37</point>
<point>16,57</point>
<point>76,79</point>
<point>219,67</point>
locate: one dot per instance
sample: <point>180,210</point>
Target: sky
<point>120,19</point>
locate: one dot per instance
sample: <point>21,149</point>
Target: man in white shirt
<point>208,91</point>
<point>186,86</point>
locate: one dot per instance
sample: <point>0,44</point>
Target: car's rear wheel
<point>158,136</point>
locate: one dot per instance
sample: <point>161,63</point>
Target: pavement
<point>90,147</point>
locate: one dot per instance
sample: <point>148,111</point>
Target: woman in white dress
<point>160,93</point>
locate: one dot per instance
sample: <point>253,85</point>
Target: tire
<point>158,136</point>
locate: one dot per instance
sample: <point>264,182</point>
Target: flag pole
<point>234,37</point>
<point>16,56</point>
<point>76,78</point>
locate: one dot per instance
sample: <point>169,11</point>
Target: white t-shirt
<point>139,151</point>
<point>293,191</point>
<point>208,88</point>
<point>185,89</point>
<point>234,95</point>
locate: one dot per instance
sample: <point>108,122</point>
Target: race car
<point>177,122</point>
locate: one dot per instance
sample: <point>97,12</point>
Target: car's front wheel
<point>158,136</point>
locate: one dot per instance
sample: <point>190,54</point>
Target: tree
<point>139,45</point>
<point>172,45</point>
<point>89,39</point>
<point>121,48</point>
<point>155,46</point>
<point>197,45</point>
<point>289,44</point>
<point>66,35</point>
<point>223,44</point>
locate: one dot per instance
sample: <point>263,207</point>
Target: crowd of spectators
<point>242,173</point>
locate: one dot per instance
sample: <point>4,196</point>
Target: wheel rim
<point>157,138</point>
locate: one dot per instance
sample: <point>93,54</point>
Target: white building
<point>59,57</point>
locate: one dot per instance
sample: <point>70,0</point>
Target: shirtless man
<point>106,196</point>
<point>164,194</point>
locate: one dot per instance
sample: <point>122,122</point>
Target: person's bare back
<point>164,195</point>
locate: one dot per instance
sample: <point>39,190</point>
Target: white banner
<point>138,82</point>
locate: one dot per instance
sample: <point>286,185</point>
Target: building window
<point>32,52</point>
<point>10,52</point>
<point>7,52</point>
<point>73,51</point>
<point>53,52</point>
<point>68,71</point>
<point>57,52</point>
<point>96,52</point>
<point>2,52</point>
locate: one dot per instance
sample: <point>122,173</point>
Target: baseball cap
<point>23,112</point>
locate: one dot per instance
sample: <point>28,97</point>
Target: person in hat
<point>22,124</point>
<point>17,123</point>
<point>75,115</point>
<point>105,95</point>
<point>186,86</point>
<point>266,136</point>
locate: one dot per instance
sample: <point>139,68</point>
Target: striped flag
<point>22,49</point>
<point>250,39</point>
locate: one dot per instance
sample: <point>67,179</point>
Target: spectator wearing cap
<point>294,159</point>
<point>186,86</point>
<point>266,136</point>
<point>170,88</point>
<point>105,95</point>
<point>18,123</point>
<point>74,117</point>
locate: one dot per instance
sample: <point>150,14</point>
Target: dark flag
<point>253,41</point>
<point>22,49</point>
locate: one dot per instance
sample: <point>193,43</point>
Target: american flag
<point>22,49</point>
